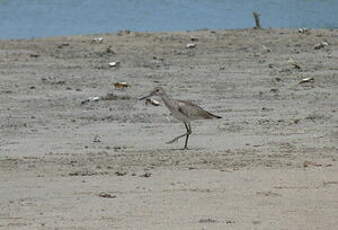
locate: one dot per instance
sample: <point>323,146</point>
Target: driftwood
<point>256,17</point>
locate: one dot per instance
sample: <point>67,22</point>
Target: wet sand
<point>71,163</point>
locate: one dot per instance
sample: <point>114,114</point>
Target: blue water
<point>44,18</point>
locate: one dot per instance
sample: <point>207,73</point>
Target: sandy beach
<point>77,152</point>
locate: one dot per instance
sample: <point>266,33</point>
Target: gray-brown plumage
<point>184,111</point>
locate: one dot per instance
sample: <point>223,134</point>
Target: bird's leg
<point>188,127</point>
<point>180,136</point>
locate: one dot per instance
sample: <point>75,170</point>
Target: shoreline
<point>113,33</point>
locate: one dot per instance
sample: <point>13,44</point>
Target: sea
<point>27,19</point>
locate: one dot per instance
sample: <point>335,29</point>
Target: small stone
<point>120,173</point>
<point>106,195</point>
<point>147,174</point>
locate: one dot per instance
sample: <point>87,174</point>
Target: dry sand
<point>270,163</point>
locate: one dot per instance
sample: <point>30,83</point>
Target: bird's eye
<point>157,90</point>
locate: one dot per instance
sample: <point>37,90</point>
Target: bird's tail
<point>214,116</point>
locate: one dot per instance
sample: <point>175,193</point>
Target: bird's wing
<point>188,108</point>
<point>194,111</point>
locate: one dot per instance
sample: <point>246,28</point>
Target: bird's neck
<point>166,99</point>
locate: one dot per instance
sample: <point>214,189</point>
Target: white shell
<point>98,40</point>
<point>94,98</point>
<point>308,79</point>
<point>303,30</point>
<point>190,45</point>
<point>152,101</point>
<point>114,64</point>
<point>320,45</point>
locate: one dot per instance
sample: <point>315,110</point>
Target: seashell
<point>320,45</point>
<point>294,63</point>
<point>98,40</point>
<point>90,99</point>
<point>121,85</point>
<point>303,30</point>
<point>114,64</point>
<point>152,101</point>
<point>305,80</point>
<point>190,45</point>
<point>94,98</point>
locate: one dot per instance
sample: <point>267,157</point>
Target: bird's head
<point>158,91</point>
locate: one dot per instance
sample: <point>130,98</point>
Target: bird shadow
<point>182,149</point>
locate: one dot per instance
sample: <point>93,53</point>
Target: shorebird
<point>184,111</point>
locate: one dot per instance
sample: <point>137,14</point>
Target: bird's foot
<point>172,141</point>
<point>176,138</point>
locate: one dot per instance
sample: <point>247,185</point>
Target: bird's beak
<point>142,98</point>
